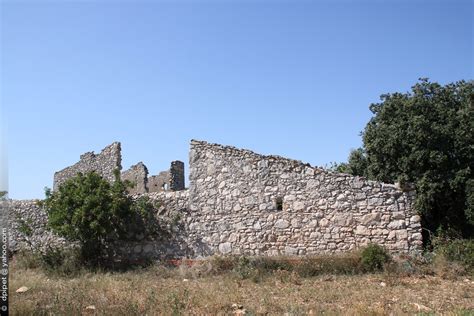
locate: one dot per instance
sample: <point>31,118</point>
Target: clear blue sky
<point>292,78</point>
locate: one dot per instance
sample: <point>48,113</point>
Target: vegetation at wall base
<point>334,284</point>
<point>424,137</point>
<point>374,257</point>
<point>87,209</point>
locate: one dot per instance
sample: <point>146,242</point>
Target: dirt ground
<point>170,291</point>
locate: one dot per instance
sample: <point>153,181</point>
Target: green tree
<point>425,137</point>
<point>356,165</point>
<point>90,210</point>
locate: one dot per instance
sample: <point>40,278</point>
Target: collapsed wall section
<point>138,176</point>
<point>105,163</point>
<point>177,176</point>
<point>110,159</point>
<point>169,180</point>
<point>242,202</point>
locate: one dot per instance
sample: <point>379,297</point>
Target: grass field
<point>183,290</point>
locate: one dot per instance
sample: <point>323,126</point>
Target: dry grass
<point>192,290</point>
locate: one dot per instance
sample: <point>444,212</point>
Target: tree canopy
<point>425,137</point>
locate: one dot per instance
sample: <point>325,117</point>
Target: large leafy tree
<point>425,137</point>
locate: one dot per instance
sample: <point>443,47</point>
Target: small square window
<point>279,204</point>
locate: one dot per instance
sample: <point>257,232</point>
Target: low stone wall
<point>27,227</point>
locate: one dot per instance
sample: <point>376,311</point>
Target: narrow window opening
<point>279,204</point>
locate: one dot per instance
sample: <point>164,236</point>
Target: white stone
<point>282,224</point>
<point>398,215</point>
<point>398,224</point>
<point>225,247</point>
<point>323,222</point>
<point>298,206</point>
<point>295,223</point>
<point>312,184</point>
<point>401,234</point>
<point>415,219</point>
<point>370,219</point>
<point>362,230</point>
<point>290,251</point>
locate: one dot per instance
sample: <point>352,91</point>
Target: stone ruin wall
<point>172,179</point>
<point>110,159</point>
<point>240,202</point>
<point>105,163</point>
<point>160,182</point>
<point>177,176</point>
<point>138,175</point>
<point>27,223</point>
<point>235,196</point>
<point>27,215</point>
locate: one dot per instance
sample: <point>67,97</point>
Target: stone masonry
<point>240,202</point>
<point>105,163</point>
<point>138,176</point>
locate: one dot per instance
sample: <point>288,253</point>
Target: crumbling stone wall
<point>160,182</point>
<point>27,227</point>
<point>177,176</point>
<point>110,159</point>
<point>242,202</point>
<point>170,180</point>
<point>104,163</point>
<point>138,175</point>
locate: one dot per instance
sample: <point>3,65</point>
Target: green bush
<point>373,257</point>
<point>457,250</point>
<point>27,259</point>
<point>61,262</point>
<point>95,213</point>
<point>54,261</point>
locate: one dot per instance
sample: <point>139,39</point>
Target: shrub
<point>96,214</point>
<point>55,261</point>
<point>457,250</point>
<point>270,264</point>
<point>348,263</point>
<point>243,267</point>
<point>61,262</point>
<point>373,257</point>
<point>27,259</point>
<point>221,264</point>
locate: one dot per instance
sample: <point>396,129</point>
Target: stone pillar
<point>177,176</point>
